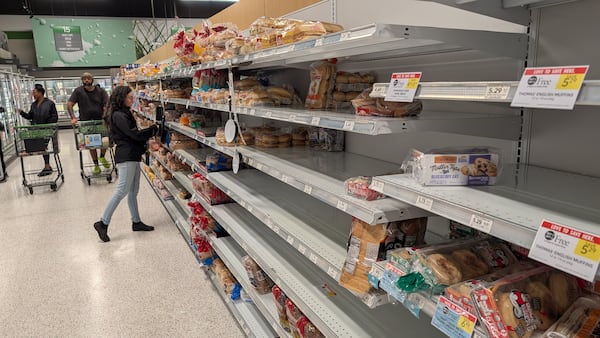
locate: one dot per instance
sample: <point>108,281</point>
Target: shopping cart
<point>93,135</point>
<point>35,140</point>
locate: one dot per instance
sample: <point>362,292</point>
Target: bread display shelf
<point>176,213</point>
<point>342,314</point>
<point>371,42</point>
<point>194,158</point>
<point>487,125</point>
<point>314,229</point>
<point>487,91</point>
<point>321,175</point>
<point>247,315</point>
<point>252,323</point>
<point>514,208</point>
<point>231,254</point>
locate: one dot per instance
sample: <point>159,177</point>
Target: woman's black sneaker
<point>102,230</point>
<point>140,226</point>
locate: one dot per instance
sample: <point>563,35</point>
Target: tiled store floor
<point>57,279</point>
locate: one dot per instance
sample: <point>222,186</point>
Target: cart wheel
<point>109,179</point>
<point>31,190</point>
<point>89,181</point>
<point>53,187</point>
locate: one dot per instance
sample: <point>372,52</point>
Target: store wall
<point>568,140</point>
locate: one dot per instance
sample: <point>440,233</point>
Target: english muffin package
<point>454,166</point>
<point>519,304</point>
<point>439,266</point>
<point>581,320</point>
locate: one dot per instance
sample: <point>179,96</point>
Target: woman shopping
<point>131,144</point>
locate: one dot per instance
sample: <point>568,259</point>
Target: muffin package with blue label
<point>455,166</point>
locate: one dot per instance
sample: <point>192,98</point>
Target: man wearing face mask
<point>92,101</point>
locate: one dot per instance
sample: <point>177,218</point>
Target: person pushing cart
<point>92,101</point>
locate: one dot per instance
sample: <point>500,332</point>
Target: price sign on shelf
<point>497,92</point>
<point>379,90</point>
<point>403,87</point>
<point>315,121</point>
<point>567,249</point>
<point>307,189</point>
<point>481,223</point>
<point>377,186</point>
<point>453,320</point>
<point>302,249</point>
<point>550,87</point>
<point>342,205</point>
<point>424,202</point>
<point>348,125</point>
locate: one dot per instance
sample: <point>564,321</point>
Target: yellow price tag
<point>588,250</point>
<point>570,81</point>
<point>465,324</point>
<point>412,83</point>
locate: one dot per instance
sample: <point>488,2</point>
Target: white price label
<point>348,125</point>
<point>278,281</point>
<point>308,189</point>
<point>251,162</point>
<point>302,249</point>
<point>549,87</point>
<point>379,90</point>
<point>290,240</point>
<point>319,43</point>
<point>377,186</point>
<point>246,57</point>
<point>270,223</point>
<point>313,258</point>
<point>315,121</point>
<point>259,166</point>
<point>345,36</point>
<point>228,192</point>
<point>245,110</point>
<point>276,229</point>
<point>250,209</point>
<point>481,224</point>
<point>567,249</point>
<point>187,104</point>
<point>252,112</point>
<point>274,326</point>
<point>244,246</point>
<point>342,205</point>
<point>403,87</point>
<point>331,272</point>
<point>453,320</point>
<point>268,114</point>
<point>293,117</point>
<point>424,202</point>
<point>285,179</point>
<point>243,204</point>
<point>497,92</point>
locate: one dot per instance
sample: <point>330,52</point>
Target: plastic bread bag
<point>280,300</point>
<point>259,280</point>
<point>359,188</point>
<point>322,81</point>
<point>368,244</point>
<point>460,293</point>
<point>454,166</point>
<point>293,315</point>
<point>581,320</point>
<point>308,329</point>
<point>519,304</point>
<point>436,267</point>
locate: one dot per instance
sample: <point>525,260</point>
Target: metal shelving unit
<point>489,125</point>
<point>231,254</point>
<point>514,208</point>
<point>321,175</point>
<point>342,314</point>
<point>195,158</point>
<point>247,315</point>
<point>316,230</point>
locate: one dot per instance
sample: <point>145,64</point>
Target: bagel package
<point>370,243</point>
<point>359,188</point>
<point>259,280</point>
<point>519,304</point>
<point>581,320</point>
<point>454,166</point>
<point>439,266</point>
<point>460,293</point>
<point>365,105</point>
<point>280,300</point>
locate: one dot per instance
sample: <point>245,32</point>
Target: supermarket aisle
<point>58,279</point>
